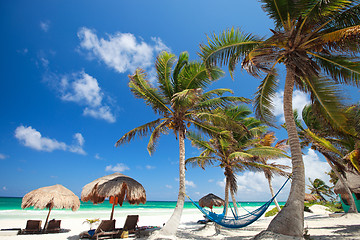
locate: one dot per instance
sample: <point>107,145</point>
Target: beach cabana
<point>210,201</point>
<point>117,187</point>
<point>56,196</point>
<point>353,181</point>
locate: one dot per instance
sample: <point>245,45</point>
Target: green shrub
<point>272,212</point>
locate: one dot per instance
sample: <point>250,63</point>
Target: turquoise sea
<point>10,207</point>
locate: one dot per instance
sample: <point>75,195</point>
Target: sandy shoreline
<point>319,225</point>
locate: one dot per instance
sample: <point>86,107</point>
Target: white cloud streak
<point>122,52</point>
<point>32,138</point>
<point>120,167</point>
<point>2,156</point>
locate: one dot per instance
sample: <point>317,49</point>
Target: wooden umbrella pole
<point>112,211</point>
<point>47,218</point>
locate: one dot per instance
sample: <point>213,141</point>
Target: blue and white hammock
<point>237,221</point>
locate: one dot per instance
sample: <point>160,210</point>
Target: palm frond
<point>341,69</point>
<point>139,131</point>
<point>264,107</point>
<point>154,137</point>
<point>141,89</point>
<point>267,152</point>
<point>280,11</point>
<point>163,65</point>
<point>326,96</point>
<point>182,61</point>
<point>220,49</point>
<point>195,75</point>
<point>200,161</point>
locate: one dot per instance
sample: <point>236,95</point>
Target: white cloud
<point>84,90</point>
<point>168,186</point>
<point>4,188</point>
<point>300,99</point>
<point>97,156</point>
<point>120,167</point>
<point>187,183</point>
<point>32,138</point>
<point>77,147</point>
<point>254,185</point>
<point>2,156</point>
<point>211,180</point>
<point>45,26</point>
<point>149,167</point>
<point>121,51</point>
<point>190,183</point>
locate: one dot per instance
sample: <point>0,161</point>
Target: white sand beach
<point>319,225</point>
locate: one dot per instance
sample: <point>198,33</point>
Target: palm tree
<point>332,144</point>
<point>178,99</point>
<point>319,188</point>
<point>268,139</point>
<point>315,41</point>
<point>239,152</point>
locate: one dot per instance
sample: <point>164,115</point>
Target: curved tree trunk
<point>346,186</point>
<point>273,194</point>
<point>290,220</point>
<point>172,224</point>
<point>227,186</point>
<point>234,202</point>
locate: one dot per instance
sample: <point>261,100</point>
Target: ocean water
<point>10,208</point>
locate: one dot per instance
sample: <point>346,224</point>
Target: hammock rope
<point>237,221</point>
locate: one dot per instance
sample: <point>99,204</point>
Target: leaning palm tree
<point>315,41</point>
<point>178,99</point>
<point>268,139</point>
<point>332,144</point>
<point>319,188</point>
<point>237,153</point>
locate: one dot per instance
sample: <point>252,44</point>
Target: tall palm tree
<point>314,40</point>
<point>237,153</point>
<point>178,99</point>
<point>319,188</point>
<point>268,139</point>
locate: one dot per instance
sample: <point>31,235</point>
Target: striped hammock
<point>237,221</point>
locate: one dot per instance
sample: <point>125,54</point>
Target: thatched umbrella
<point>211,200</point>
<point>56,196</point>
<point>310,197</point>
<point>117,187</point>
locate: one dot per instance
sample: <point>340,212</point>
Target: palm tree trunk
<point>273,194</point>
<point>227,186</point>
<point>172,224</point>
<point>352,208</point>
<point>234,202</point>
<point>290,220</point>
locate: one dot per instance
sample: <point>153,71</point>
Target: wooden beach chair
<point>53,226</point>
<point>130,224</point>
<point>105,229</point>
<point>32,227</point>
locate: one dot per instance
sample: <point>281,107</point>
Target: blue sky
<point>64,98</point>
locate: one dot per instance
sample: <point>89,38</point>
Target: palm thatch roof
<point>56,196</point>
<point>353,179</point>
<point>310,197</point>
<point>210,201</point>
<point>114,185</point>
